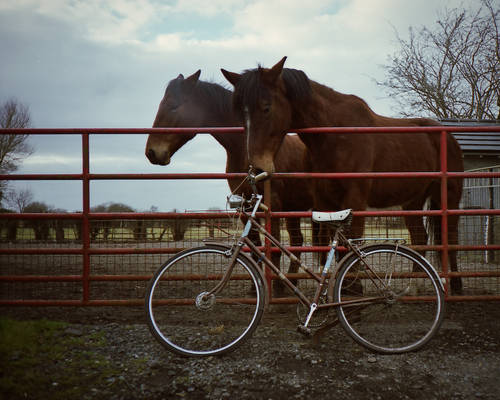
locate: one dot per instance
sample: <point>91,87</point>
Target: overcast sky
<point>93,63</point>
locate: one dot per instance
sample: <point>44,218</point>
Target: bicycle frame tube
<point>359,253</point>
<point>252,222</point>
<point>277,271</point>
<point>321,279</point>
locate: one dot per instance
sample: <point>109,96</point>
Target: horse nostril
<point>151,155</point>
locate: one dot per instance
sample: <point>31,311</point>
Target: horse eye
<point>266,108</point>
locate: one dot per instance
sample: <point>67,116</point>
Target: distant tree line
<point>100,230</point>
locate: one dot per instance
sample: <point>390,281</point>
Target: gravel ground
<point>461,362</point>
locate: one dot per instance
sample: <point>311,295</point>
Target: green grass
<point>40,360</point>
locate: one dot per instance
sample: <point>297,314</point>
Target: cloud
<point>48,159</point>
<point>110,21</point>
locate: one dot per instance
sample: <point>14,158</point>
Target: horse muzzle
<point>155,159</point>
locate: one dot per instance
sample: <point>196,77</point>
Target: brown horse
<point>278,99</point>
<point>189,102</point>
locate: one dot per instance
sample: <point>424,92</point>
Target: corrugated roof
<point>476,142</point>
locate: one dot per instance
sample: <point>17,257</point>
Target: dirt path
<point>108,353</point>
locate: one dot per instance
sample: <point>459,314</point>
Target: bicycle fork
<point>208,296</point>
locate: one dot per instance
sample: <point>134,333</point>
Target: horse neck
<point>322,110</point>
<point>234,144</point>
<point>223,116</point>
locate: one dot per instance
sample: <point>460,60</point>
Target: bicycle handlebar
<point>236,201</point>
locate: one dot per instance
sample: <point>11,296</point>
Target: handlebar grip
<point>261,176</point>
<point>263,206</point>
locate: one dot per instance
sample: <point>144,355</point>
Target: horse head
<point>177,109</point>
<point>261,98</point>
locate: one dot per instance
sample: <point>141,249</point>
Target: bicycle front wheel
<point>391,300</point>
<point>187,320</point>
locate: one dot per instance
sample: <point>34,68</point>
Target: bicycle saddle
<point>338,216</point>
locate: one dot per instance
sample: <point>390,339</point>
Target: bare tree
<point>19,200</point>
<point>450,70</point>
<point>13,148</point>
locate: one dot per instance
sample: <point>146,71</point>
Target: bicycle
<point>208,300</point>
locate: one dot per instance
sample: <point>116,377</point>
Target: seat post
<point>331,254</point>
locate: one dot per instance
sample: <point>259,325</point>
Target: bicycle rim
<point>187,321</point>
<point>410,304</point>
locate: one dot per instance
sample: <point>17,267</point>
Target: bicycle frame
<point>326,272</point>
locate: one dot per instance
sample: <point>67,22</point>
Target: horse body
<point>277,100</point>
<point>189,102</point>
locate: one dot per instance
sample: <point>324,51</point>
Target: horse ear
<point>232,77</point>
<point>180,76</point>
<point>194,78</point>
<point>271,75</point>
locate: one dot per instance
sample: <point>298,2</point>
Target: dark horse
<point>189,102</point>
<point>276,100</point>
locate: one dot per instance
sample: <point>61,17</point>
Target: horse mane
<point>297,84</point>
<point>250,88</point>
<point>214,96</point>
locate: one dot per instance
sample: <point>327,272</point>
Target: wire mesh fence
<point>124,275</point>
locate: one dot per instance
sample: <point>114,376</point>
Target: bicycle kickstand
<point>304,329</point>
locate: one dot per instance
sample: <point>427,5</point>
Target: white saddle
<point>338,216</point>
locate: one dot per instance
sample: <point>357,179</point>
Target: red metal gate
<point>54,284</point>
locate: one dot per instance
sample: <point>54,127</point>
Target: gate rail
<point>86,215</point>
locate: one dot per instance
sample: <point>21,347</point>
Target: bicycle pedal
<point>304,330</point>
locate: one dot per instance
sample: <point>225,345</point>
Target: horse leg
<point>356,198</point>
<point>357,231</point>
<point>322,239</point>
<point>415,225</point>
<point>357,227</point>
<point>296,239</point>
<point>456,282</point>
<point>278,286</point>
<point>315,233</point>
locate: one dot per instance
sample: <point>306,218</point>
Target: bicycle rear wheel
<point>185,320</point>
<point>396,305</point>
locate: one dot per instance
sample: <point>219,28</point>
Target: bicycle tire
<point>411,306</point>
<point>190,325</point>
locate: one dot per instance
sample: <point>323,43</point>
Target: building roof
<point>487,143</point>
